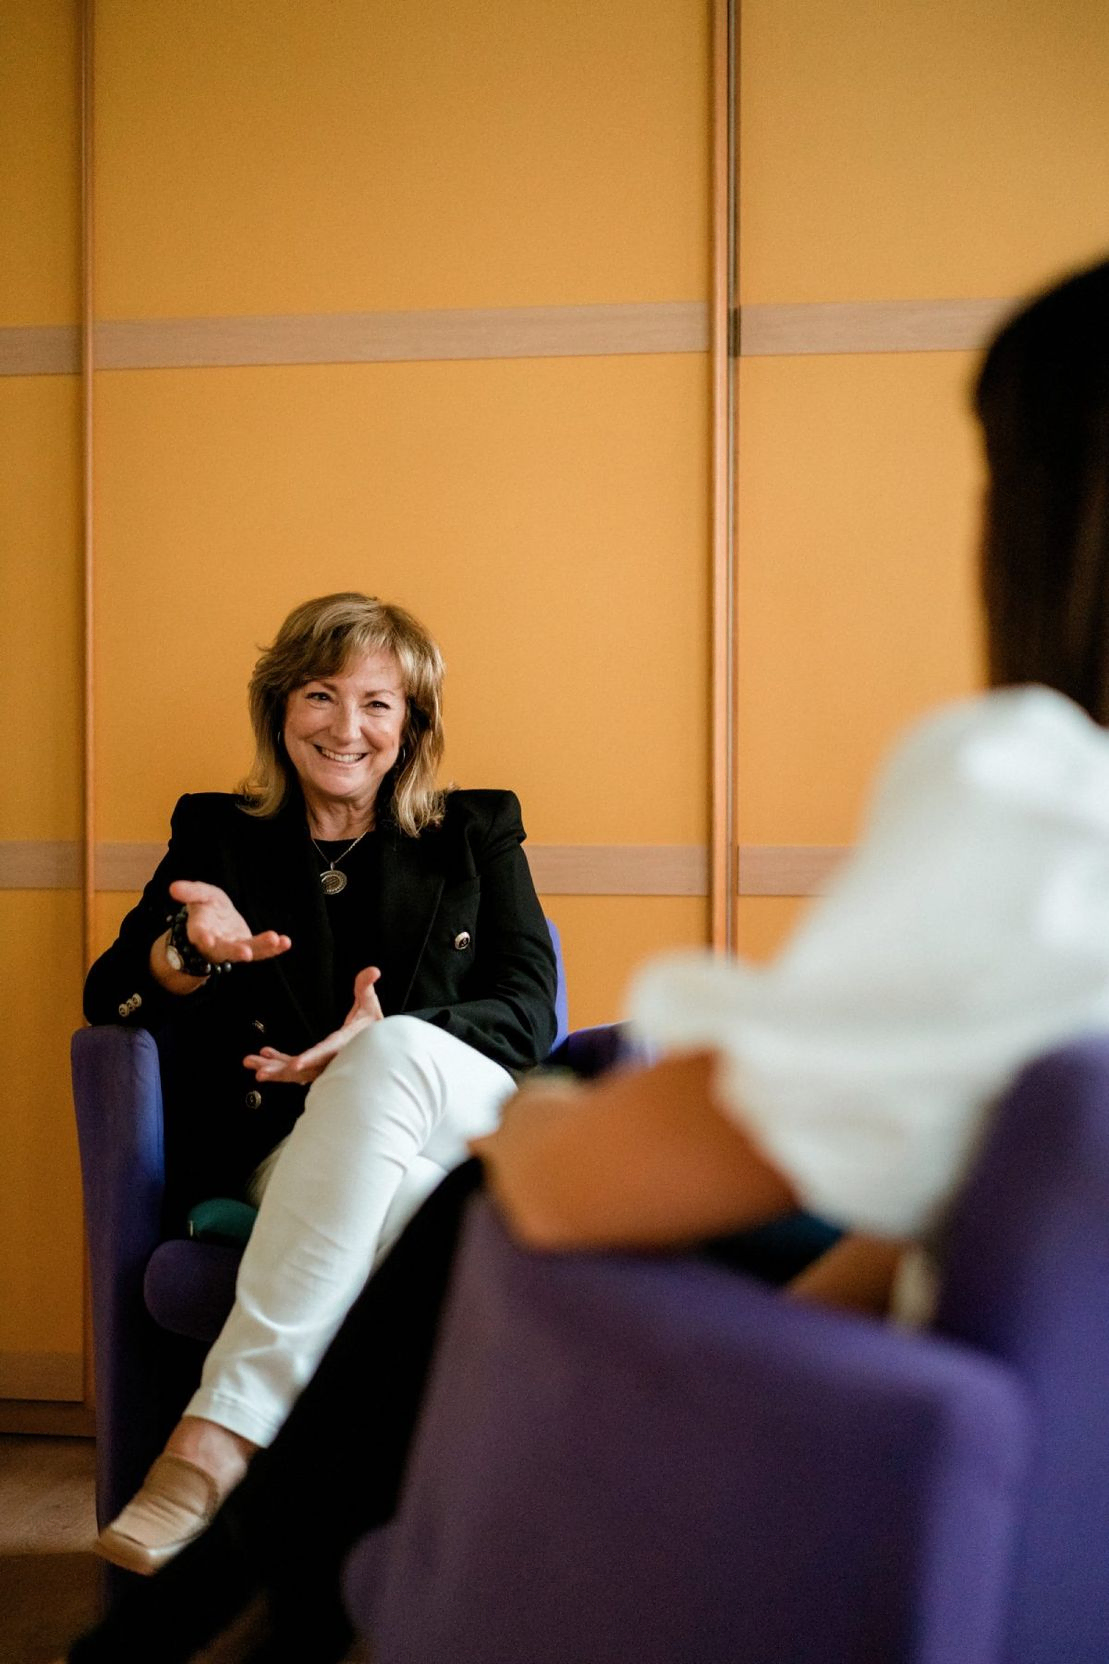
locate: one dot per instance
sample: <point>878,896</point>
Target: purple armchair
<point>158,1304</point>
<point>653,1459</point>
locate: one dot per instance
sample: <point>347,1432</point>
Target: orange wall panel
<point>268,156</point>
<point>546,518</point>
<point>41,1300</point>
<point>606,938</point>
<point>859,491</point>
<point>40,607</point>
<point>765,923</point>
<point>895,150</point>
<point>39,151</point>
<point>40,1214</point>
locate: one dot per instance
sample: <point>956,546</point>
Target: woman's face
<point>343,732</point>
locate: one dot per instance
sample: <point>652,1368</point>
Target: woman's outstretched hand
<point>218,929</point>
<point>271,1065</point>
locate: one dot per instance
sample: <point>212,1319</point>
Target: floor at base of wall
<point>49,1576</point>
<point>50,1579</point>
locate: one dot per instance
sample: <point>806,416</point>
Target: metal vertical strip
<point>722,888</point>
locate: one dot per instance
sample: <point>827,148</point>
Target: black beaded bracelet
<point>193,962</point>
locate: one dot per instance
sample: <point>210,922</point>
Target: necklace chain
<point>333,881</point>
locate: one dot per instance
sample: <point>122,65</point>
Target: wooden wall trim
<point>53,1376</point>
<point>41,1420</point>
<point>501,332</point>
<point>558,869</point>
<point>364,337</point>
<point>619,869</point>
<point>721,886</point>
<point>787,869</point>
<point>40,350</point>
<point>869,326</point>
<point>31,865</point>
<point>126,866</point>
<point>389,337</point>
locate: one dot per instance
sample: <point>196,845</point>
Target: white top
<point>968,933</point>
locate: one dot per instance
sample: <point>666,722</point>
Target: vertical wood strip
<point>88,887</point>
<point>721,888</point>
<point>734,48</point>
<point>87,28</point>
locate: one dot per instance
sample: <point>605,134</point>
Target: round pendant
<point>333,882</point>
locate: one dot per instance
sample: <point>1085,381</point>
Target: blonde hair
<point>318,639</point>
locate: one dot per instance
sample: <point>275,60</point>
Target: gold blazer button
<point>462,940</point>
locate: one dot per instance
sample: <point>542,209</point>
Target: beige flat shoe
<point>176,1503</point>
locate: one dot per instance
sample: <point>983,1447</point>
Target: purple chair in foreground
<point>653,1459</point>
<point>158,1304</point>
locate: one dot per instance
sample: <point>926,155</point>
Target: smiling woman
<point>340,872</point>
<point>343,736</point>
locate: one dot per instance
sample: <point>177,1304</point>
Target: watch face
<point>176,963</point>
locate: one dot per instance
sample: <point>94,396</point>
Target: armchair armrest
<point>589,1052</point>
<point>118,1097</point>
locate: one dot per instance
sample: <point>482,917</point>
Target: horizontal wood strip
<point>40,350</point>
<point>126,866</point>
<point>619,869</point>
<point>558,869</point>
<point>26,1416</point>
<point>56,1376</point>
<point>502,332</point>
<point>390,337</point>
<point>869,326</point>
<point>40,865</point>
<point>787,869</point>
<point>365,337</point>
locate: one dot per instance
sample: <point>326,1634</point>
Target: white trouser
<point>389,1116</point>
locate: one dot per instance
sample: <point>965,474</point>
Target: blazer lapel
<point>410,891</point>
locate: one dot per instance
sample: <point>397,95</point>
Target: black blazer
<point>467,876</point>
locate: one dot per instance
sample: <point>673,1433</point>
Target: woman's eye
<point>317,695</point>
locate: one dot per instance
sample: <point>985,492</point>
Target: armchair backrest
<point>651,1459</point>
<point>1028,1284</point>
<point>562,1015</point>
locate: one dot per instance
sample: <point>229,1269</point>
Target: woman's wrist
<point>181,954</point>
<point>163,972</point>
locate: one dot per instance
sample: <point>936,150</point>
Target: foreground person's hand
<point>642,1158</point>
<point>271,1065</point>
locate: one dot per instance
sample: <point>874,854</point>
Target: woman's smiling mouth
<point>341,756</point>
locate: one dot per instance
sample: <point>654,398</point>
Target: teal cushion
<point>221,1220</point>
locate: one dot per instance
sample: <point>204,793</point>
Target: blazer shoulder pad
<point>210,809</point>
<point>484,804</point>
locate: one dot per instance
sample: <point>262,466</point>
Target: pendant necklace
<point>333,882</point>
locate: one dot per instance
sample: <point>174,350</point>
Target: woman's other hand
<point>271,1065</point>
